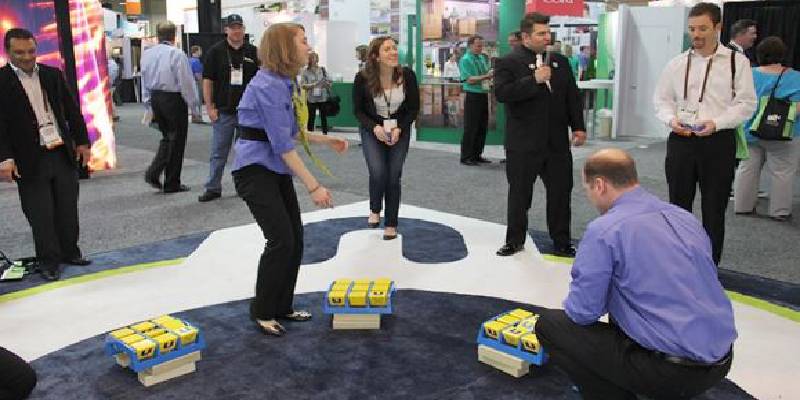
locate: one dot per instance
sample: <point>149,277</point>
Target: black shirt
<point>217,68</point>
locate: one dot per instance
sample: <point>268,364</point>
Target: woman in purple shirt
<point>265,162</point>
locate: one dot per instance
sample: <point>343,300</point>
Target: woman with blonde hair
<point>386,103</point>
<point>272,116</point>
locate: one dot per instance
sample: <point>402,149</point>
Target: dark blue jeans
<point>385,165</point>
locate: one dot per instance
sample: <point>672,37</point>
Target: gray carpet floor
<point>119,210</point>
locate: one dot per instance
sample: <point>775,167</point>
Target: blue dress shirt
<point>647,263</point>
<point>166,68</point>
<point>267,104</point>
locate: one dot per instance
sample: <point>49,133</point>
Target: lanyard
<point>230,61</point>
<point>388,101</point>
<point>705,78</point>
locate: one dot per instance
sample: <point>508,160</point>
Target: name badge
<point>237,77</point>
<point>687,117</point>
<point>316,92</point>
<point>389,124</point>
<point>486,85</point>
<point>49,136</point>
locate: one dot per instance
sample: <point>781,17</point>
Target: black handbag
<point>775,118</point>
<point>332,105</point>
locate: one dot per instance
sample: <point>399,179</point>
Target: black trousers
<point>17,378</point>
<point>710,162</point>
<point>171,113</point>
<point>273,202</point>
<point>606,364</point>
<point>50,203</point>
<point>312,116</point>
<point>476,122</point>
<point>555,169</point>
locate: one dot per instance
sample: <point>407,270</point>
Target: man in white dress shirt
<point>169,89</point>
<point>703,95</point>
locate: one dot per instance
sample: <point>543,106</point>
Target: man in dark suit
<point>744,33</point>
<point>542,104</point>
<point>42,140</point>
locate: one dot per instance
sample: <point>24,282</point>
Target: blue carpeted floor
<point>426,350</point>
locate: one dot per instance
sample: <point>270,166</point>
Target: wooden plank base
<point>504,362</point>
<point>171,369</point>
<point>356,321</point>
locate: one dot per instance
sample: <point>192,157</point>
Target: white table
<point>595,85</point>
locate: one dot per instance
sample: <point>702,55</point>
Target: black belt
<point>692,363</point>
<point>249,133</point>
<point>162,92</point>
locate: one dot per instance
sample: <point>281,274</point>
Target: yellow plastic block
<point>340,287</point>
<point>360,287</point>
<point>166,342</point>
<point>131,339</point>
<point>187,334</point>
<point>521,314</point>
<point>383,281</point>
<point>362,281</point>
<point>529,323</point>
<point>509,319</point>
<point>144,349</point>
<point>512,334</point>
<point>121,333</point>
<point>143,326</point>
<point>378,297</point>
<point>155,332</point>
<point>336,299</point>
<point>530,343</point>
<point>357,298</point>
<point>493,328</point>
<point>381,286</point>
<point>342,282</point>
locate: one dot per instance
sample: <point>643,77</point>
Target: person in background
<point>316,83</point>
<point>780,157</point>
<point>647,265</point>
<point>113,81</point>
<point>744,33</point>
<point>197,70</point>
<point>476,73</point>
<point>584,58</point>
<point>270,116</point>
<point>17,378</point>
<point>229,66</point>
<point>361,56</point>
<point>703,115</point>
<point>573,61</point>
<point>514,39</point>
<point>43,141</point>
<point>168,89</point>
<point>386,103</point>
<point>557,48</point>
<point>451,70</point>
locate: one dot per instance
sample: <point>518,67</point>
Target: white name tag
<point>389,124</point>
<point>49,136</point>
<point>316,92</point>
<point>237,77</point>
<point>486,85</point>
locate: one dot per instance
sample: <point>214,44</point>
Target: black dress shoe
<point>208,196</point>
<point>564,251</point>
<point>470,163</point>
<point>179,189</point>
<point>77,261</point>
<point>153,182</point>
<point>482,160</point>
<point>509,249</point>
<point>50,273</point>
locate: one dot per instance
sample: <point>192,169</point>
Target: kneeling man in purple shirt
<point>648,265</point>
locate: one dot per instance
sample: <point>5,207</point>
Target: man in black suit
<point>42,140</point>
<point>542,104</point>
<point>744,33</point>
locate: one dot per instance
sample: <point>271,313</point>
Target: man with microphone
<point>542,105</point>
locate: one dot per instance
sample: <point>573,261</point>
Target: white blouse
<point>387,103</point>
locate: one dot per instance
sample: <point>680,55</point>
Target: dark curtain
<point>774,18</point>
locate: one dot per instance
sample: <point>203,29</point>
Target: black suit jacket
<point>364,103</point>
<point>19,129</point>
<point>537,120</point>
<point>749,53</point>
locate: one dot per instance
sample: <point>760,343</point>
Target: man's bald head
<point>613,165</point>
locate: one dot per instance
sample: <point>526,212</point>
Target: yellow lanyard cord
<point>301,114</point>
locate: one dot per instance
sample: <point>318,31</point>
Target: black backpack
<point>775,117</point>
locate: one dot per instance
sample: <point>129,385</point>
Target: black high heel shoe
<point>373,224</point>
